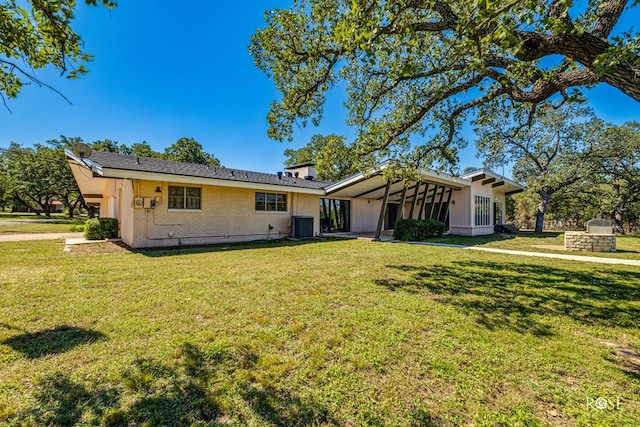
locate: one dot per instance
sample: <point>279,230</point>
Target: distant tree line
<point>39,176</point>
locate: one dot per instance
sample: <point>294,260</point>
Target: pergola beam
<point>497,184</point>
<point>488,181</point>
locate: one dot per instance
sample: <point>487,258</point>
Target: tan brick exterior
<point>227,215</point>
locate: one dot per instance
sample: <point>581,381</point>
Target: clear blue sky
<point>168,70</point>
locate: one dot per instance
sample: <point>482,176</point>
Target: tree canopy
<point>332,157</point>
<point>35,34</point>
<point>186,150</point>
<point>551,147</point>
<point>414,68</point>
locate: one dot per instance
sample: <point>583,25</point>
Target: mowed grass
<point>628,247</point>
<point>320,333</point>
<point>42,227</point>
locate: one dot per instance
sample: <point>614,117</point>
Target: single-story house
<point>165,203</point>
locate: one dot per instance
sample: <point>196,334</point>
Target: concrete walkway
<point>537,254</point>
<point>18,237</point>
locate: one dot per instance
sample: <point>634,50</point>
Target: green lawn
<point>32,223</point>
<point>628,247</point>
<point>321,333</point>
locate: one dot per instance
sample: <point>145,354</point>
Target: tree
<point>550,147</point>
<point>618,160</point>
<point>333,159</point>
<point>32,178</point>
<point>190,151</point>
<point>35,34</point>
<point>418,68</point>
<point>109,146</point>
<point>67,189</point>
<point>143,149</point>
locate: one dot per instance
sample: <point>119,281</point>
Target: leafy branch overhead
<point>419,68</point>
<point>35,34</point>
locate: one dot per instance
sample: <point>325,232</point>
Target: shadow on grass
<point>202,388</point>
<point>523,297</point>
<point>496,237</point>
<point>226,247</point>
<point>52,341</point>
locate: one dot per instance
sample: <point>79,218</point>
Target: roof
<point>506,185</point>
<point>115,165</point>
<point>300,165</point>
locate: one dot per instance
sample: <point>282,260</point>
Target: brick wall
<point>227,215</point>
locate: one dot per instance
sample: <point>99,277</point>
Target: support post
<point>403,198</point>
<point>439,202</point>
<point>447,203</point>
<point>382,210</point>
<point>415,197</point>
<point>422,213</point>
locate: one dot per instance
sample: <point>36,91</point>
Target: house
<point>164,203</point>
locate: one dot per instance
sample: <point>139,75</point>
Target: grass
<point>11,223</point>
<point>319,333</point>
<point>628,247</point>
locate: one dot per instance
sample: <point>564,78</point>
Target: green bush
<point>417,230</point>
<point>77,227</point>
<point>100,228</point>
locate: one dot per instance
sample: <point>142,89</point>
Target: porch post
<point>415,197</point>
<point>422,213</point>
<point>403,197</point>
<point>447,203</point>
<point>382,210</point>
<point>434,201</point>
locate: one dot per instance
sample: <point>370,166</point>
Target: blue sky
<point>184,70</point>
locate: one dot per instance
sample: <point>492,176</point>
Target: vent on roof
<point>296,174</point>
<point>289,174</point>
<point>279,174</point>
<point>308,178</point>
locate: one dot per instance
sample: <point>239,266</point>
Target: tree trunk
<point>616,215</point>
<point>542,209</point>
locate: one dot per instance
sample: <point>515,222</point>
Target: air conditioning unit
<point>302,226</point>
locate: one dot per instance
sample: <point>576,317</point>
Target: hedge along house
<point>163,203</point>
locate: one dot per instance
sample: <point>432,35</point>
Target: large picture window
<point>271,202</point>
<point>184,197</point>
<point>483,211</point>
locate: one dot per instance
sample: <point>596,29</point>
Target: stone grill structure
<point>599,237</point>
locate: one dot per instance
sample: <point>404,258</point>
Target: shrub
<point>100,228</point>
<point>77,227</point>
<point>418,229</point>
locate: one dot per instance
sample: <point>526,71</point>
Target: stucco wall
<point>364,215</point>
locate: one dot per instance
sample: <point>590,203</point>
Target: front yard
<point>317,333</point>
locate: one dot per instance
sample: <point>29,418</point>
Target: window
<point>334,215</point>
<point>271,202</point>
<point>483,212</point>
<point>184,197</point>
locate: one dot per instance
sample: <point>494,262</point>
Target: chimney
<point>303,170</point>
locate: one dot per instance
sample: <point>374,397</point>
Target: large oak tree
<point>35,34</point>
<point>418,68</point>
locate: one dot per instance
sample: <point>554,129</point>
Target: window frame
<point>277,201</point>
<point>482,211</point>
<point>186,198</point>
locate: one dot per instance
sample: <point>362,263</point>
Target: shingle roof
<point>108,160</point>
